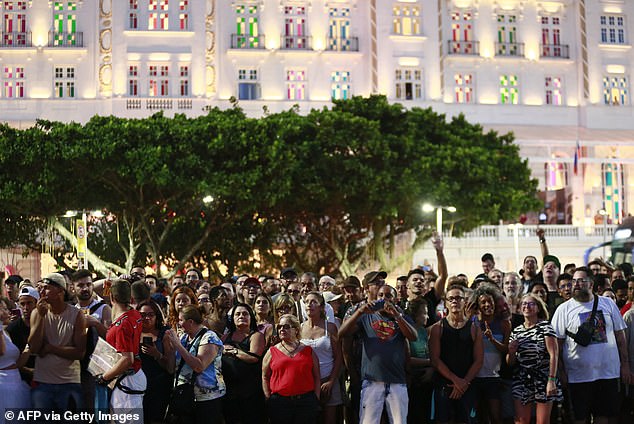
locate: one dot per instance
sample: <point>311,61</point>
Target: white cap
<point>29,291</point>
<point>328,280</point>
<point>330,296</point>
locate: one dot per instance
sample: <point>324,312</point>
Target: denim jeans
<point>57,396</point>
<point>375,395</point>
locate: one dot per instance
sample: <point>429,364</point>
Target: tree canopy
<point>329,191</point>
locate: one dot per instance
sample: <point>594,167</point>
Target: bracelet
<point>542,240</point>
<point>552,378</point>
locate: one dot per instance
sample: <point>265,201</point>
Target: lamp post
<point>516,242</point>
<point>82,232</point>
<point>430,208</point>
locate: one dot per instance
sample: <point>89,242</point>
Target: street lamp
<point>516,242</point>
<point>82,232</point>
<point>428,208</point>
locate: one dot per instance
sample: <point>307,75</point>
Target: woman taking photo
<point>321,336</point>
<point>157,362</point>
<point>290,377</point>
<point>181,297</point>
<point>198,360</point>
<point>534,349</point>
<point>242,369</point>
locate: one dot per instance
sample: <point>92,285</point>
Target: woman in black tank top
<point>456,354</point>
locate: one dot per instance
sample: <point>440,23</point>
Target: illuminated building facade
<point>555,72</point>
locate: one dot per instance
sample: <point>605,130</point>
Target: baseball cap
<point>55,278</point>
<point>371,276</point>
<point>29,291</point>
<point>251,281</point>
<point>351,281</point>
<point>327,279</point>
<point>330,296</point>
<point>552,258</point>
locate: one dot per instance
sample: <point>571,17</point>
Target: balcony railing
<point>295,42</point>
<point>159,104</point>
<point>509,49</point>
<point>243,41</point>
<point>555,50</point>
<point>463,47</point>
<point>65,39</point>
<point>349,44</point>
<point>499,232</point>
<point>16,39</point>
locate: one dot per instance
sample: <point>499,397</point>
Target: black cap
<point>351,281</point>
<point>373,275</point>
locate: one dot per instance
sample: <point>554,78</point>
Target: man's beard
<point>581,295</point>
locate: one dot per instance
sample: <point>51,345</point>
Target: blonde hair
<point>542,309</point>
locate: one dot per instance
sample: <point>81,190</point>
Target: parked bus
<point>621,246</point>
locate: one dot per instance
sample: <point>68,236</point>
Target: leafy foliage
<point>336,188</point>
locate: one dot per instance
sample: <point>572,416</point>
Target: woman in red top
<point>125,336</point>
<point>290,377</point>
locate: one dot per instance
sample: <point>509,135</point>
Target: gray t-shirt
<point>383,354</point>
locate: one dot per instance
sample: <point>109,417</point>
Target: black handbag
<point>182,400</point>
<point>584,333</point>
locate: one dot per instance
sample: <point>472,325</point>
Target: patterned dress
<point>530,374</point>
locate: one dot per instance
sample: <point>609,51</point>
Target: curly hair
<point>172,318</point>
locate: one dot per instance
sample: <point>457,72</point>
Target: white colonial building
<point>556,72</point>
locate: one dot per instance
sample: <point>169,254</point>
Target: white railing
<point>501,232</point>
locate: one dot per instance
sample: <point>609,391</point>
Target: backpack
<point>92,337</point>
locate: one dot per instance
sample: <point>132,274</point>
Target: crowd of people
<point>539,345</point>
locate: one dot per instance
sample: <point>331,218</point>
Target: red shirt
<point>626,308</point>
<point>125,335</point>
<point>292,376</point>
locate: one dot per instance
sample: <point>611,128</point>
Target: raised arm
<point>441,281</point>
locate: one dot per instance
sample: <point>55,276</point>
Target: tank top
<point>323,350</point>
<point>58,330</point>
<point>492,359</point>
<point>243,379</point>
<point>11,352</point>
<point>291,376</point>
<point>456,349</point>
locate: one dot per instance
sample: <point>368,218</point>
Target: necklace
<point>290,352</point>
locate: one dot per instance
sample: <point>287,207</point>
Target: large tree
<point>335,190</point>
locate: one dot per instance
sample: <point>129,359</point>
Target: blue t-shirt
<point>209,384</point>
<point>383,355</point>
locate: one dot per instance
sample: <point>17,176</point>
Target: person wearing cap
<point>250,290</point>
<point>550,273</point>
<point>383,330</point>
<point>58,338</point>
<point>12,285</point>
<point>326,283</point>
<point>19,329</point>
<point>125,336</point>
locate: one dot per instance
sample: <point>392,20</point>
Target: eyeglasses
<point>204,300</point>
<point>565,285</point>
<point>294,291</point>
<point>528,304</point>
<point>284,327</point>
<point>455,299</point>
<point>147,315</point>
